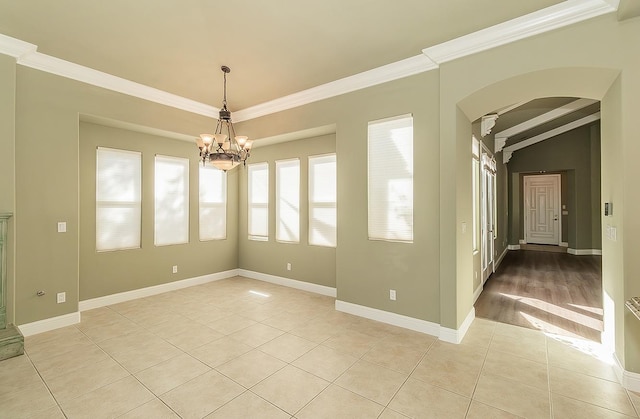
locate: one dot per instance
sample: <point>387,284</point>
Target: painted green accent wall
<point>576,156</point>
<point>106,273</point>
<point>314,264</point>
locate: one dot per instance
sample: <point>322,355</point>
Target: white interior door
<point>542,209</point>
<point>488,216</point>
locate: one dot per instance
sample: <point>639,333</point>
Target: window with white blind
<point>258,201</point>
<point>171,200</point>
<point>390,146</point>
<point>213,203</point>
<point>288,200</point>
<point>322,200</point>
<point>118,199</point>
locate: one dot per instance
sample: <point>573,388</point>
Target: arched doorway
<point>592,83</point>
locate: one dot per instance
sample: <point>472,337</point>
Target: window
<point>258,201</point>
<point>322,200</point>
<point>288,200</point>
<point>171,200</point>
<point>391,179</point>
<point>213,203</point>
<point>475,187</point>
<point>118,199</point>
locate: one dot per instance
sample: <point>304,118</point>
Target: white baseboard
<point>513,247</point>
<point>41,326</point>
<point>499,261</point>
<point>522,241</point>
<point>411,323</point>
<point>564,244</point>
<point>628,380</point>
<point>291,283</point>
<point>477,293</point>
<point>456,336</point>
<point>154,290</point>
<point>388,317</point>
<point>583,252</point>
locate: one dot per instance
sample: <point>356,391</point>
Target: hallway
<point>553,292</point>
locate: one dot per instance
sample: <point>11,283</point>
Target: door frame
<point>488,173</point>
<point>559,201</point>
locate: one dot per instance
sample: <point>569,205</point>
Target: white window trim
<point>313,204</point>
<point>251,204</point>
<point>220,205</point>
<point>286,163</point>
<point>137,204</point>
<point>369,182</point>
<point>186,196</point>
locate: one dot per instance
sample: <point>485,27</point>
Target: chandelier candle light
<point>224,150</point>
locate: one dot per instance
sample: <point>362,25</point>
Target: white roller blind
<point>171,200</point>
<point>118,199</point>
<point>213,203</point>
<point>391,179</point>
<point>322,200</point>
<point>288,200</point>
<point>258,201</point>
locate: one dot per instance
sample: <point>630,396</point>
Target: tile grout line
<point>484,361</point>
<point>546,354</point>
<point>130,375</point>
<point>45,384</point>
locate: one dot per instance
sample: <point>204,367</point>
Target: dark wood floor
<point>554,292</point>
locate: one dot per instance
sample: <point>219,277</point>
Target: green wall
<point>7,169</point>
<point>366,269</point>
<point>314,264</point>
<point>500,243</point>
<point>48,184</point>
<point>433,275</point>
<point>575,61</point>
<point>576,156</point>
<point>106,273</point>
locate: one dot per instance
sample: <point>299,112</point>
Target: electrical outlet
<point>392,295</point>
<point>175,269</point>
<point>61,297</point>
<point>288,266</point>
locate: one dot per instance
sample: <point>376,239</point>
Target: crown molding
<point>59,67</point>
<point>397,70</point>
<point>15,47</point>
<point>550,18</point>
<point>507,152</point>
<point>502,136</point>
<point>557,16</point>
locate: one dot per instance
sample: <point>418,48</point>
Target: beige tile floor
<point>240,348</point>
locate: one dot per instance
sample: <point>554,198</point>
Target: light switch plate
<point>62,227</point>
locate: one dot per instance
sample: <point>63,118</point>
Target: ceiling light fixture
<point>224,149</point>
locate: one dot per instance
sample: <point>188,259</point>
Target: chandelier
<point>224,149</point>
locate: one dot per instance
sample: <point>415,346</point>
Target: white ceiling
<point>274,48</point>
<point>282,53</point>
